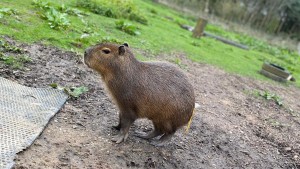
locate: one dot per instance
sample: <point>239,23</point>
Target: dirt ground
<point>233,128</point>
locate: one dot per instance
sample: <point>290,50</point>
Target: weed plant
<point>56,19</point>
<point>16,59</point>
<point>271,96</point>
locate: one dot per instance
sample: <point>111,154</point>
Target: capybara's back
<point>163,95</point>
<point>158,91</point>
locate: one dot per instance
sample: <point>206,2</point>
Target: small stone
<point>64,164</point>
<point>296,157</point>
<point>136,150</point>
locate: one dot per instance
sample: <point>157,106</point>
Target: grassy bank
<point>143,24</point>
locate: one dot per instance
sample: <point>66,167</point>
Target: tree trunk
<point>199,29</point>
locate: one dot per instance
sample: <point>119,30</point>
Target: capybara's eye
<point>106,51</point>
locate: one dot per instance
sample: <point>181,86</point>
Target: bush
<point>127,27</point>
<point>71,11</point>
<point>113,9</point>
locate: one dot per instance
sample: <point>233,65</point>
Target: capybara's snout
<point>87,56</point>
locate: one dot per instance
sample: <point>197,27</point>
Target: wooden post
<point>199,29</point>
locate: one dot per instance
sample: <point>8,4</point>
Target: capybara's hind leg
<point>163,140</point>
<point>152,134</point>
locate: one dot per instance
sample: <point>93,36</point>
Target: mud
<point>233,128</point>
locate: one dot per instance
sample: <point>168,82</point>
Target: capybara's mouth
<point>86,62</point>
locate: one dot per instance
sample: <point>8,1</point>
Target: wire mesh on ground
<point>24,112</point>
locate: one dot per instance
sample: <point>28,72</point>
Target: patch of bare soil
<point>233,128</point>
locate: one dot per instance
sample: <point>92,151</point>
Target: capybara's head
<point>104,56</point>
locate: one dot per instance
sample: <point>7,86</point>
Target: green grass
<point>160,34</point>
<point>16,58</point>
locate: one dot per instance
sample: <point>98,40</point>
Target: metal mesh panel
<point>24,112</point>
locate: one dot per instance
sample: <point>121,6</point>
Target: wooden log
<point>226,41</point>
<point>276,72</point>
<point>272,76</point>
<point>199,29</point>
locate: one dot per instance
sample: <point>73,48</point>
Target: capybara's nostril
<point>85,56</point>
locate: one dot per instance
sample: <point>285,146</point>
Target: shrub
<point>113,9</point>
<point>127,27</point>
<point>71,11</point>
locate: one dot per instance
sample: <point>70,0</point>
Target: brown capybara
<point>158,91</point>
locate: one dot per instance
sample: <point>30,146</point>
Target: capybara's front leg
<point>125,123</point>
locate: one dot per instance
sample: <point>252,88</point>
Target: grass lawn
<point>79,23</point>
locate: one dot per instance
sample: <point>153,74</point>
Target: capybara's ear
<point>126,44</point>
<point>121,50</point>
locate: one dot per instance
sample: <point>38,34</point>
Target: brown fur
<point>158,91</point>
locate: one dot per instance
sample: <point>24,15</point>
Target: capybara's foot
<point>144,135</point>
<point>120,137</point>
<point>166,138</point>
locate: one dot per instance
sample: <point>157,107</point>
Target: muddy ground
<point>233,128</point>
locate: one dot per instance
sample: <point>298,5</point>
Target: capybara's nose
<point>86,53</point>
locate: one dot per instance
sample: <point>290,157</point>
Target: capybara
<point>158,91</point>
